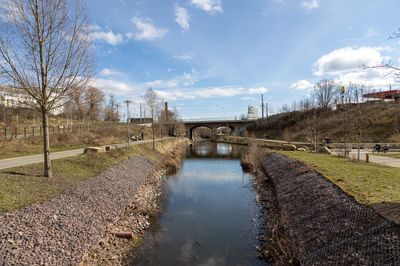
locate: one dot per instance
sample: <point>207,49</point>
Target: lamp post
<point>128,118</point>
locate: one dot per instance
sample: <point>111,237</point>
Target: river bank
<point>322,225</point>
<point>63,230</point>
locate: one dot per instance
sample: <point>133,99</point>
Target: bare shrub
<point>395,138</point>
<point>92,159</point>
<point>252,160</point>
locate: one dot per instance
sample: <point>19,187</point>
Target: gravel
<point>326,226</point>
<point>62,230</point>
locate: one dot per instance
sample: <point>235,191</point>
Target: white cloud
<point>259,90</point>
<point>109,72</point>
<point>346,60</point>
<point>186,56</point>
<point>209,93</point>
<point>162,84</point>
<point>115,87</point>
<point>182,17</point>
<point>110,37</point>
<point>184,80</point>
<point>210,6</point>
<point>301,85</point>
<point>147,31</point>
<point>373,77</point>
<point>247,98</point>
<point>371,33</point>
<point>169,70</point>
<point>310,4</point>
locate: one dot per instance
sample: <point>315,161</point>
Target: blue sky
<point>212,58</point>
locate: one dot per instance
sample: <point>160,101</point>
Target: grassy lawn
<point>25,185</point>
<point>389,154</point>
<point>63,142</point>
<point>368,183</point>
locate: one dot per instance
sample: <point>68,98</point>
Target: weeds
<point>252,160</point>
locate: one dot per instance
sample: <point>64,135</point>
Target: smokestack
<point>262,105</point>
<point>166,111</point>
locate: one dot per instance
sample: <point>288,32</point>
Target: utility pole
<point>344,121</point>
<point>140,104</point>
<point>128,122</point>
<point>262,105</point>
<point>117,111</point>
<point>266,109</point>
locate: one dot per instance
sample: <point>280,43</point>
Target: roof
<point>392,94</point>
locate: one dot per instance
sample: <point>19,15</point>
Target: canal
<point>209,214</point>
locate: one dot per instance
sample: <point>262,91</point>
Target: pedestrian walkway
<point>372,158</point>
<point>20,161</point>
<point>385,160</point>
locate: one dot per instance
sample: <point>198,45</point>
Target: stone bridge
<point>234,125</point>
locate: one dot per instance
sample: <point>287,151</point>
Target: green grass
<point>368,183</point>
<point>25,185</point>
<point>389,154</point>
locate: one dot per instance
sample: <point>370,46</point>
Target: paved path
<point>19,161</point>
<point>385,160</point>
<point>373,158</point>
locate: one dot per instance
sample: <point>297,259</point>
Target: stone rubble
<point>111,250</point>
<point>62,231</point>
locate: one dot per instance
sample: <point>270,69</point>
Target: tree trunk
<point>46,145</point>
<point>154,137</point>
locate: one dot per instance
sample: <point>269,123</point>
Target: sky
<point>212,58</point>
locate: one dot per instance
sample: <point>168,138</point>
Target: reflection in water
<point>213,150</point>
<point>208,214</point>
<point>224,148</point>
<point>202,150</point>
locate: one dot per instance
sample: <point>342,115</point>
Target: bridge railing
<point>213,119</point>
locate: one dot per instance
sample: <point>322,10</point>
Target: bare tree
<point>77,103</point>
<point>94,99</point>
<point>153,104</point>
<point>45,50</point>
<point>325,92</point>
<point>110,110</point>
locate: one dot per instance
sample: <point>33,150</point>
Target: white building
<point>252,112</point>
<point>12,97</point>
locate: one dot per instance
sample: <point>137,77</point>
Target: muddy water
<point>209,213</point>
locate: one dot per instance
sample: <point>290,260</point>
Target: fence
<point>24,132</point>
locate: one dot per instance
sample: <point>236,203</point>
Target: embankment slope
<point>325,225</point>
<point>62,230</point>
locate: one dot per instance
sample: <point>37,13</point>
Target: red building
<point>392,94</point>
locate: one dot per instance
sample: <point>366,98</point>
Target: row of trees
<point>328,97</point>
<point>163,121</point>
<point>327,94</point>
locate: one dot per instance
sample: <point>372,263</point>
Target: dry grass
<point>67,141</point>
<point>252,160</point>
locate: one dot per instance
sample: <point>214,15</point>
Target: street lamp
<point>128,122</point>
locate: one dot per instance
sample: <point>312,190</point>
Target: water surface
<point>209,213</point>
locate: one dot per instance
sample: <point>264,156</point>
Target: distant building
<point>252,112</point>
<point>384,95</point>
<point>138,121</point>
<point>12,97</point>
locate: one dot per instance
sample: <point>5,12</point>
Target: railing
<point>24,132</point>
<point>214,119</point>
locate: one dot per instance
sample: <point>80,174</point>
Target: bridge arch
<point>232,128</point>
<point>197,126</point>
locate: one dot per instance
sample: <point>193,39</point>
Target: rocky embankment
<point>318,223</point>
<point>63,230</point>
